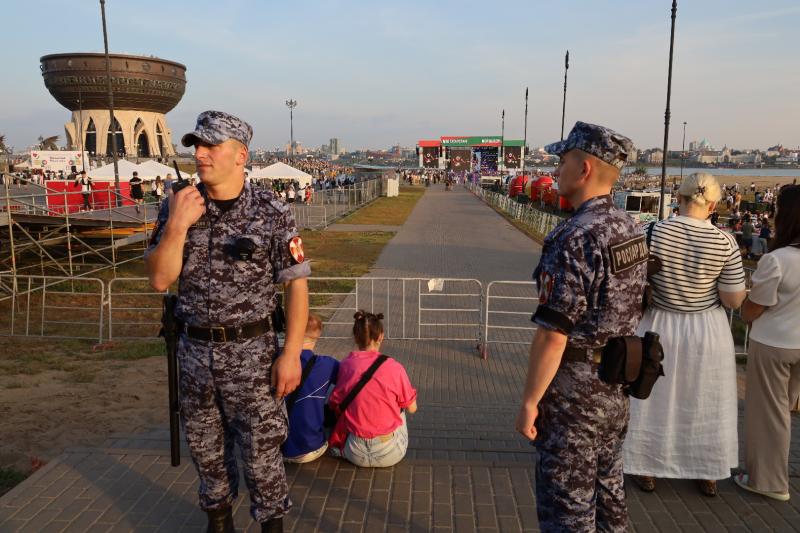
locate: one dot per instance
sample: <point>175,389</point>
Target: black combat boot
<point>272,526</point>
<point>220,521</point>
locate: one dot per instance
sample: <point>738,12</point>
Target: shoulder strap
<point>292,399</point>
<point>365,377</point>
<point>650,233</point>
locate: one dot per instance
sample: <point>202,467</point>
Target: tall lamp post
<point>80,119</point>
<point>525,130</point>
<point>110,103</point>
<point>291,104</point>
<point>683,148</point>
<point>502,136</point>
<point>564,102</point>
<point>661,213</point>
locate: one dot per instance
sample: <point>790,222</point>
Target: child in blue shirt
<point>305,406</point>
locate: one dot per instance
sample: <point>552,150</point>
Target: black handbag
<point>330,415</point>
<point>633,362</point>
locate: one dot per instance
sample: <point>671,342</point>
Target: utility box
<point>392,187</point>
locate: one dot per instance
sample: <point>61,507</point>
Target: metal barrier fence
<point>413,308</point>
<point>51,306</point>
<point>538,221</point>
<point>330,204</point>
<point>510,305</point>
<point>134,309</point>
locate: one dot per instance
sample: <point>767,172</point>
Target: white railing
<point>51,306</point>
<point>413,308</point>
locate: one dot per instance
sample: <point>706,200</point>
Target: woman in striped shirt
<point>687,429</point>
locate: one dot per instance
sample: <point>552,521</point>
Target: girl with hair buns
<point>687,429</point>
<point>372,431</point>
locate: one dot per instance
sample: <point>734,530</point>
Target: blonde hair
<point>700,188</point>
<point>313,326</point>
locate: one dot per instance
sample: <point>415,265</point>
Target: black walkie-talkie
<point>180,183</point>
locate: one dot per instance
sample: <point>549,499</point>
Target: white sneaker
<point>743,481</point>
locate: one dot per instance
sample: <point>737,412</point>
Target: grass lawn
<point>387,211</point>
<point>343,254</point>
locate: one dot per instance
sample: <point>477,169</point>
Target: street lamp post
<point>661,213</point>
<point>683,148</point>
<point>525,132</point>
<point>291,104</point>
<point>80,128</point>
<point>502,137</point>
<point>564,101</point>
<point>110,102</point>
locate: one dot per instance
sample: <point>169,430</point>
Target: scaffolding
<point>45,232</point>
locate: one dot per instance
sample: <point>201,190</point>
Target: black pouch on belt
<point>633,362</point>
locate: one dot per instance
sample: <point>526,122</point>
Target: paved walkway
<point>466,468</point>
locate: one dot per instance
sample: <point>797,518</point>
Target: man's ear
<point>586,169</point>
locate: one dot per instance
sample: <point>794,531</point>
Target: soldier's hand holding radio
<point>185,207</point>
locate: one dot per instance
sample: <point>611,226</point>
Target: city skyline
<point>432,70</point>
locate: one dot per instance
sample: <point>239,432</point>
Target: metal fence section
<point>509,306</point>
<point>413,308</point>
<point>134,309</point>
<point>538,221</point>
<point>51,306</point>
<point>328,205</point>
<point>507,314</point>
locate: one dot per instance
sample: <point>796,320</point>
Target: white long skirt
<point>687,428</point>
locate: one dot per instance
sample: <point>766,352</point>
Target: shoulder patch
<point>628,254</point>
<point>296,250</point>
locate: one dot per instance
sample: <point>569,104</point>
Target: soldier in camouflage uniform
<point>591,279</point>
<point>229,244</point>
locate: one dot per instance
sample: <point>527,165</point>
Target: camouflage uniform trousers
<point>581,427</point>
<point>226,400</point>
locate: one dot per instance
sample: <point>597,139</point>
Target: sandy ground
<point>45,413</point>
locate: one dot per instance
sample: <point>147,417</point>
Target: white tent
<point>281,171</point>
<point>150,169</point>
<point>106,172</point>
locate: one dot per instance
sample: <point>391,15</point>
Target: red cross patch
<point>296,250</point>
<point>545,287</point>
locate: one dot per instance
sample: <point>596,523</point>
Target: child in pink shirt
<point>372,432</point>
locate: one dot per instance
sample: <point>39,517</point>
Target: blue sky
<point>377,73</point>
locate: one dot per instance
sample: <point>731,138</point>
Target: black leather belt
<point>573,354</point>
<point>227,333</point>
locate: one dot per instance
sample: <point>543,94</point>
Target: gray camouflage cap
<point>216,127</point>
<point>601,142</point>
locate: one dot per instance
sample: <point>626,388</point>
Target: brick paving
<point>466,468</point>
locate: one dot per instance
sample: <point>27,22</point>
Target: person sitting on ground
<point>372,431</point>
<point>305,406</point>
<point>773,356</point>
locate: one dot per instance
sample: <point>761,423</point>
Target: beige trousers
<point>773,385</point>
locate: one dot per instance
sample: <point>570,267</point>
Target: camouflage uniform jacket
<point>216,288</point>
<point>591,275</point>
